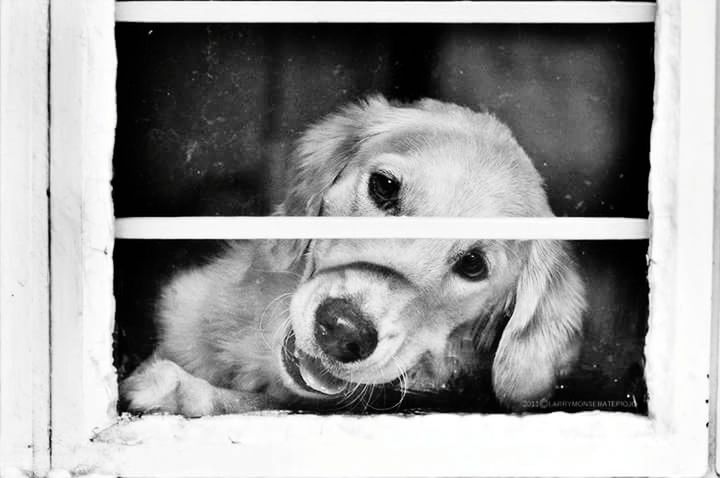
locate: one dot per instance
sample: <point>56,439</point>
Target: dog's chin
<point>308,373</point>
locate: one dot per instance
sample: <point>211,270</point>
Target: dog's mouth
<point>309,372</point>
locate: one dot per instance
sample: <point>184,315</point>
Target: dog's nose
<point>342,332</point>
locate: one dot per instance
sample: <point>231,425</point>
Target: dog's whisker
<point>366,396</point>
<point>347,402</point>
<point>283,326</point>
<point>355,389</point>
<point>348,395</point>
<point>402,379</point>
<point>265,313</point>
<point>359,397</point>
<point>283,346</point>
<point>403,382</point>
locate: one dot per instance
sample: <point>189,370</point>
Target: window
<point>207,118</point>
<point>89,437</point>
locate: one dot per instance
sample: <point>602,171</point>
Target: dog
<point>284,324</point>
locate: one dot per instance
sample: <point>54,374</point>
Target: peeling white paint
<point>277,444</point>
<point>83,69</point>
<point>662,205</point>
<point>24,318</point>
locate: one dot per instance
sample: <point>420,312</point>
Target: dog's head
<point>377,311</point>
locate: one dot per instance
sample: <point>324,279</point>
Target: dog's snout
<point>342,332</point>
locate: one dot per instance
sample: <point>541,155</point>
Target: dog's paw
<point>162,386</point>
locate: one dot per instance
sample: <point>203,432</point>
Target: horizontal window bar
<point>385,12</point>
<point>293,227</point>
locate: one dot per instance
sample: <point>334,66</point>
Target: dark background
<point>208,113</point>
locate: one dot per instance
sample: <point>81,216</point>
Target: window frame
<point>24,274</point>
<point>88,437</point>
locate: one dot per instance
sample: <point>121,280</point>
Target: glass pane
<point>433,306</point>
<point>208,119</point>
<point>209,114</point>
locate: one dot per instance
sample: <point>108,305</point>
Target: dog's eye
<point>384,191</point>
<point>472,266</point>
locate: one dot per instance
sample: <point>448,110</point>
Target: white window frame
<point>87,436</point>
<point>24,263</point>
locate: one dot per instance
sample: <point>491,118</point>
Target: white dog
<point>299,323</point>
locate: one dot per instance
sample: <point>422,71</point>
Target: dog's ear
<point>542,338</point>
<point>324,151</point>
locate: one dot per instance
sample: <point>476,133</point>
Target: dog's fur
<point>224,327</point>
